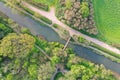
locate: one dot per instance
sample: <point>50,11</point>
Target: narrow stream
<point>38,29</point>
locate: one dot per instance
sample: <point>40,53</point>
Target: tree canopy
<point>14,45</point>
<point>85,9</point>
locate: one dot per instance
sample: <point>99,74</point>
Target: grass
<point>46,2</point>
<point>107,15</point>
<point>43,18</point>
<point>105,50</point>
<point>28,10</point>
<point>37,15</point>
<point>38,5</point>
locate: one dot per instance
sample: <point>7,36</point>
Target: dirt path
<point>51,15</point>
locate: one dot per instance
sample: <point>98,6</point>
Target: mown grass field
<point>107,16</point>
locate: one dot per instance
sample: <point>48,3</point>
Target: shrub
<point>85,9</point>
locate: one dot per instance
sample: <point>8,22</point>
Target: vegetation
<point>85,9</point>
<point>46,2</point>
<point>25,30</point>
<point>21,59</point>
<point>98,49</point>
<point>63,33</point>
<point>68,3</point>
<point>105,50</point>
<point>4,30</point>
<point>28,10</point>
<point>46,69</point>
<point>81,39</point>
<point>77,14</point>
<point>43,18</point>
<point>37,15</point>
<point>26,57</point>
<point>38,5</point>
<point>108,20</point>
<point>16,46</point>
<point>43,4</point>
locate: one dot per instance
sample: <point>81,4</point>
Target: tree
<point>9,77</point>
<point>59,52</point>
<point>85,9</point>
<point>4,30</point>
<point>55,60</point>
<point>14,45</point>
<point>32,69</point>
<point>46,71</point>
<point>68,3</point>
<point>72,60</point>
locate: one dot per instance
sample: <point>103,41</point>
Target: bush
<point>25,30</point>
<point>46,20</point>
<point>85,9</point>
<point>4,30</point>
<point>81,39</point>
<point>28,10</point>
<point>55,25</point>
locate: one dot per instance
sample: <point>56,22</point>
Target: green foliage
<point>107,19</point>
<point>13,2</point>
<point>10,21</point>
<point>32,69</point>
<point>55,60</point>
<point>85,9</point>
<point>106,51</point>
<point>68,3</point>
<point>59,75</point>
<point>55,25</point>
<point>38,5</point>
<point>46,2</point>
<point>72,60</point>
<point>25,30</point>
<point>4,30</point>
<point>28,10</point>
<point>14,45</point>
<point>36,66</point>
<point>81,39</point>
<point>25,64</point>
<point>43,18</point>
<point>46,69</point>
<point>9,77</point>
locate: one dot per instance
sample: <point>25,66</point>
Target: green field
<point>47,2</point>
<point>107,16</point>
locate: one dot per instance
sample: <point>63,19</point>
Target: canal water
<point>38,29</point>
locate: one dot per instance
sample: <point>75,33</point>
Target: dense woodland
<point>78,14</point>
<point>27,57</point>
